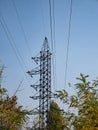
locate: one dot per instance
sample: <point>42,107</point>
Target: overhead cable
<point>68,41</point>
<point>11,42</point>
<point>54,58</point>
<point>21,26</point>
<point>52,22</point>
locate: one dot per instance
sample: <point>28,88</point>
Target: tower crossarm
<point>35,86</point>
<point>36,59</point>
<point>34,97</point>
<point>34,71</point>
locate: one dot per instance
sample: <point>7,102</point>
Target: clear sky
<point>33,19</point>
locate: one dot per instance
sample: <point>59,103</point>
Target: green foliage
<point>63,95</point>
<point>84,104</point>
<point>12,116</point>
<point>55,118</point>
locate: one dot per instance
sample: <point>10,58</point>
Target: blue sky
<point>35,20</point>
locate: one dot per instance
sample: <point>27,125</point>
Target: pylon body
<point>45,84</point>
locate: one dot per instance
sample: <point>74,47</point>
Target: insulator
<point>36,59</point>
<point>34,97</point>
<point>35,86</point>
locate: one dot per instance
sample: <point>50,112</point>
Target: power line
<point>21,26</point>
<point>52,22</point>
<point>11,41</point>
<point>18,87</point>
<point>51,30</point>
<point>68,41</point>
<point>13,44</point>
<point>54,43</point>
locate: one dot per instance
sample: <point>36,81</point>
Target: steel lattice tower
<point>45,83</point>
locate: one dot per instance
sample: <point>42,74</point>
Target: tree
<point>12,116</point>
<point>55,117</point>
<point>85,103</point>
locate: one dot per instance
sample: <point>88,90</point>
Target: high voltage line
<point>52,34</point>
<point>52,31</point>
<point>68,41</point>
<point>12,44</point>
<point>21,26</point>
<point>55,82</point>
<point>51,24</point>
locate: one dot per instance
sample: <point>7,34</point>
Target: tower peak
<point>45,46</point>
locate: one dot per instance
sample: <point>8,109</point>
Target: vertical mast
<point>45,83</point>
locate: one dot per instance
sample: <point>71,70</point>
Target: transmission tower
<point>44,87</point>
